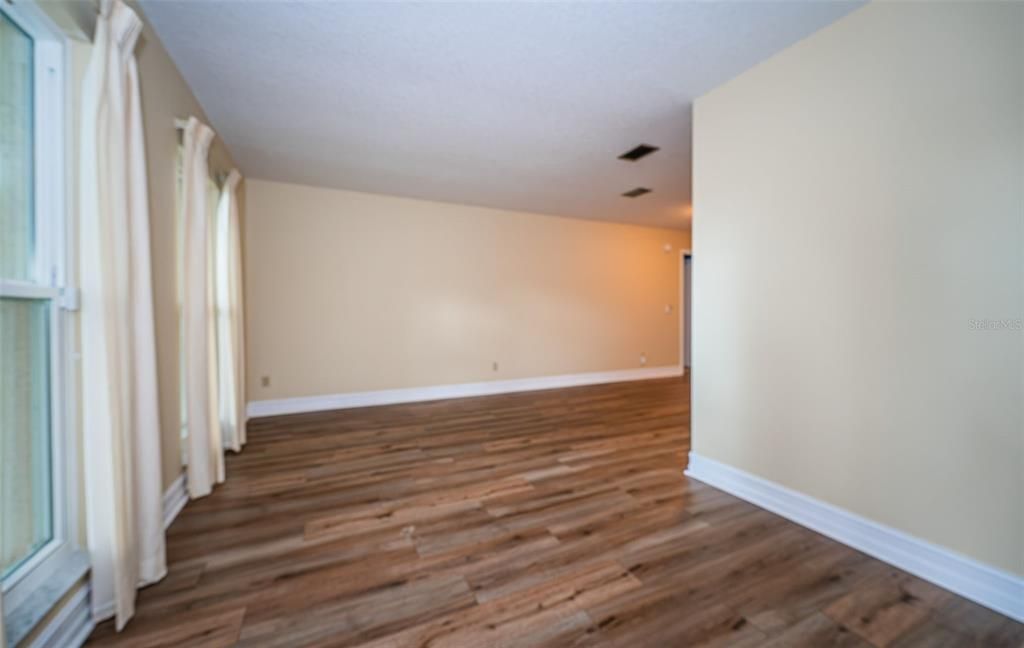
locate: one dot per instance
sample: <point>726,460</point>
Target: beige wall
<point>859,199</point>
<point>350,292</point>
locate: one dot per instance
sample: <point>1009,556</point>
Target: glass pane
<point>180,269</point>
<point>17,236</point>
<point>25,499</point>
<point>222,298</point>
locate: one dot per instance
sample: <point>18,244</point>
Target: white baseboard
<point>175,499</point>
<point>440,392</point>
<point>105,611</point>
<point>991,587</point>
<point>71,626</point>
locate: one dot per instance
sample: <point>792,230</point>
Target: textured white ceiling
<point>514,105</point>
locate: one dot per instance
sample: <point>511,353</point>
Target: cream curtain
<point>230,314</point>
<point>124,517</point>
<point>205,446</point>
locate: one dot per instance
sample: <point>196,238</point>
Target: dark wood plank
<point>554,518</point>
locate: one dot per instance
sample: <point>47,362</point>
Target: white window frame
<point>39,582</point>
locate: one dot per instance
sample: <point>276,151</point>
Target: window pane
<point>25,501</point>
<point>16,212</point>
<point>179,183</point>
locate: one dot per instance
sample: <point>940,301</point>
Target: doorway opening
<point>686,319</point>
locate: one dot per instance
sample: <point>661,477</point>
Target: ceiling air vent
<point>636,193</point>
<point>641,151</point>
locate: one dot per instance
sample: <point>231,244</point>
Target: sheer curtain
<point>205,446</point>
<point>230,316</point>
<point>124,516</point>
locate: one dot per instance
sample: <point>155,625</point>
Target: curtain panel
<point>205,445</point>
<point>230,316</point>
<point>120,417</point>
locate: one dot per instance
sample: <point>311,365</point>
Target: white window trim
<point>35,586</point>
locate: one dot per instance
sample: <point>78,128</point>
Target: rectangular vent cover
<point>635,154</point>
<point>636,193</point>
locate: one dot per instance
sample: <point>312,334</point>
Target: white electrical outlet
<point>643,359</point>
<point>668,309</point>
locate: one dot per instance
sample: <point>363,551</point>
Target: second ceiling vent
<point>636,193</point>
<point>635,154</point>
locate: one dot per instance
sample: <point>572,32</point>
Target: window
<point>36,470</point>
<point>224,314</point>
<point>24,321</point>
<point>179,187</point>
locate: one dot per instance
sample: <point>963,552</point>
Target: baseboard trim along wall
<point>441,392</point>
<point>991,587</point>
<point>71,626</point>
<point>175,499</point>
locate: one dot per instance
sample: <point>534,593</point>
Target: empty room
<point>511,323</point>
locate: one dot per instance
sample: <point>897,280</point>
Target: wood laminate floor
<point>554,518</point>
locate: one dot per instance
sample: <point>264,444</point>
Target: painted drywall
<point>350,292</point>
<point>859,209</point>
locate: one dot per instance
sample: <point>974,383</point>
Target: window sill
<point>64,572</point>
